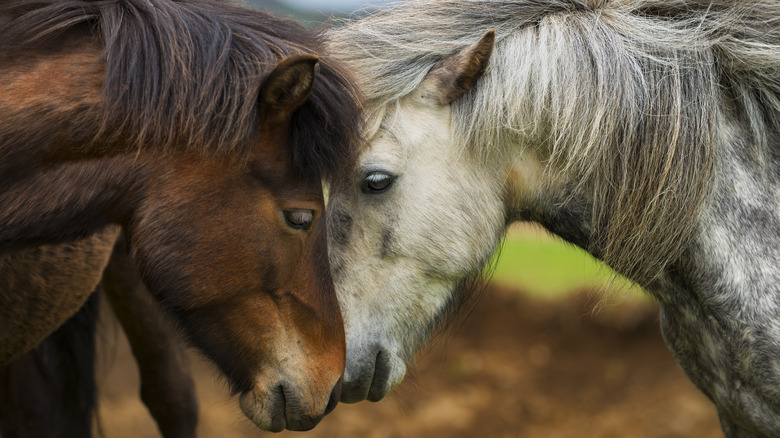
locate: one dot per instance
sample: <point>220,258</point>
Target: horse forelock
<point>187,74</point>
<point>625,98</point>
<point>327,130</point>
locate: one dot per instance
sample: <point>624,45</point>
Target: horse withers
<point>204,130</point>
<point>645,132</point>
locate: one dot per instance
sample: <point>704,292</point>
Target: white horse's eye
<point>299,219</point>
<point>377,182</point>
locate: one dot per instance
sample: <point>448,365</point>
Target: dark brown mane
<point>187,74</point>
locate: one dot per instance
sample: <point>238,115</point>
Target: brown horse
<point>50,390</point>
<point>200,128</point>
<point>39,285</point>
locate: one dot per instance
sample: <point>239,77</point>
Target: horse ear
<point>287,86</point>
<point>453,76</point>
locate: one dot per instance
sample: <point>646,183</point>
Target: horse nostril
<point>278,410</point>
<point>335,395</point>
<point>379,383</point>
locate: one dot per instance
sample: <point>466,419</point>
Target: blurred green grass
<point>542,265</point>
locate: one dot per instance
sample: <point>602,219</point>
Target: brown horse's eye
<point>299,219</point>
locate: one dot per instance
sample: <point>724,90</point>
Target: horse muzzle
<point>284,406</point>
<point>372,379</point>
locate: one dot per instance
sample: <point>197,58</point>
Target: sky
<point>330,5</point>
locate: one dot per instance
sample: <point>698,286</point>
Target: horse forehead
<point>272,160</point>
<point>422,120</point>
<point>273,139</point>
<point>412,127</point>
<point>386,152</point>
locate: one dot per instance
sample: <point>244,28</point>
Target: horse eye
<point>299,219</point>
<point>377,182</point>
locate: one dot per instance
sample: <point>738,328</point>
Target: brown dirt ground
<point>513,367</point>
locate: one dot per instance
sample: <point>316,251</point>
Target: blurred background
<point>555,346</point>
<point>315,12</point>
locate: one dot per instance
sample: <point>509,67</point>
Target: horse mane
<point>633,100</point>
<point>186,74</point>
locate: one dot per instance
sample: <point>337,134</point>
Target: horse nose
<point>284,407</point>
<point>370,382</point>
<point>380,383</point>
<point>301,422</point>
<point>335,395</point>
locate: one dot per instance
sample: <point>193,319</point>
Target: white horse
<point>645,131</point>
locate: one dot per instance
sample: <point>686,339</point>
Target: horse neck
<point>58,182</point>
<point>615,170</point>
<point>534,194</point>
<point>50,103</point>
<point>68,201</point>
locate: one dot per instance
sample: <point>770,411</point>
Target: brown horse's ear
<point>453,76</point>
<point>287,86</point>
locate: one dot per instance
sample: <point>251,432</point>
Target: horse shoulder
<point>42,286</point>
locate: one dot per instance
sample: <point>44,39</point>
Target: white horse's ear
<point>287,86</point>
<point>456,74</point>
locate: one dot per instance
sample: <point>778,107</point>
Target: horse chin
<point>284,406</point>
<point>373,379</point>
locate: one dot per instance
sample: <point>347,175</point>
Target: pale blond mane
<point>624,97</point>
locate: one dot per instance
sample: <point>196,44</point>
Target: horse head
<point>410,227</point>
<point>236,249</point>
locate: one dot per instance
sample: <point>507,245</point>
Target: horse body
<point>645,132</point>
<point>200,128</point>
